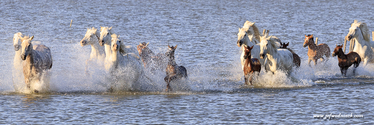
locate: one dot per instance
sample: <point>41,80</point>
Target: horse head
<point>105,35</point>
<point>170,51</point>
<point>89,37</point>
<point>16,38</point>
<point>26,46</point>
<point>338,50</point>
<point>247,53</point>
<point>115,43</point>
<point>308,40</point>
<point>243,38</point>
<point>264,45</point>
<point>141,47</point>
<point>357,29</point>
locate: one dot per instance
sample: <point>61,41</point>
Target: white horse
<point>125,71</point>
<point>277,59</point>
<point>37,61</point>
<point>359,38</point>
<point>97,53</point>
<point>17,74</point>
<point>244,39</point>
<point>92,38</point>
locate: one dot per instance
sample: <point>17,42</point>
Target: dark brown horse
<point>251,65</point>
<point>296,58</point>
<point>315,52</point>
<point>173,71</point>
<point>345,61</point>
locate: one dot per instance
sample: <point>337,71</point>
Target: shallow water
<point>206,35</point>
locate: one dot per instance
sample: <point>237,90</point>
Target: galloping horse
<point>149,58</point>
<point>277,59</point>
<point>359,38</point>
<point>37,59</point>
<point>125,70</point>
<point>97,52</point>
<point>296,58</point>
<point>315,52</point>
<point>345,61</point>
<point>244,40</point>
<point>173,71</point>
<point>251,65</point>
<point>92,38</point>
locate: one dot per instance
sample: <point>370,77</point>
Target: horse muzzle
<point>333,54</point>
<point>304,45</point>
<point>23,56</point>
<point>16,47</point>
<point>239,43</point>
<point>262,55</point>
<point>101,42</point>
<point>83,42</point>
<point>349,37</point>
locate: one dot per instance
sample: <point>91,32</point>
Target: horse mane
<point>248,24</point>
<point>114,35</point>
<point>93,30</point>
<point>364,29</point>
<point>272,40</point>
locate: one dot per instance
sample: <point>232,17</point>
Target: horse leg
<point>250,78</point>
<point>315,61</point>
<point>342,71</point>
<point>354,71</point>
<point>309,60</point>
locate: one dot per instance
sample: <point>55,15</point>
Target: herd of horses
<point>263,50</point>
<point>127,64</point>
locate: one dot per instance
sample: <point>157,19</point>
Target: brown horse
<point>173,71</point>
<point>315,52</point>
<point>345,61</point>
<point>296,58</point>
<point>250,65</point>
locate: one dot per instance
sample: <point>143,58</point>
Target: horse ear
<point>311,35</point>
<point>288,44</point>
<point>168,46</point>
<point>306,36</point>
<point>32,38</point>
<point>251,47</point>
<point>355,21</point>
<point>146,44</point>
<point>110,28</point>
<point>175,47</point>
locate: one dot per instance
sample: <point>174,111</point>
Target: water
<point>205,32</point>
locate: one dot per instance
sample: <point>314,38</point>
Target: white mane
<point>364,29</point>
<point>247,25</point>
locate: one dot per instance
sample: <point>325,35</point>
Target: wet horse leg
<point>309,60</point>
<point>315,61</point>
